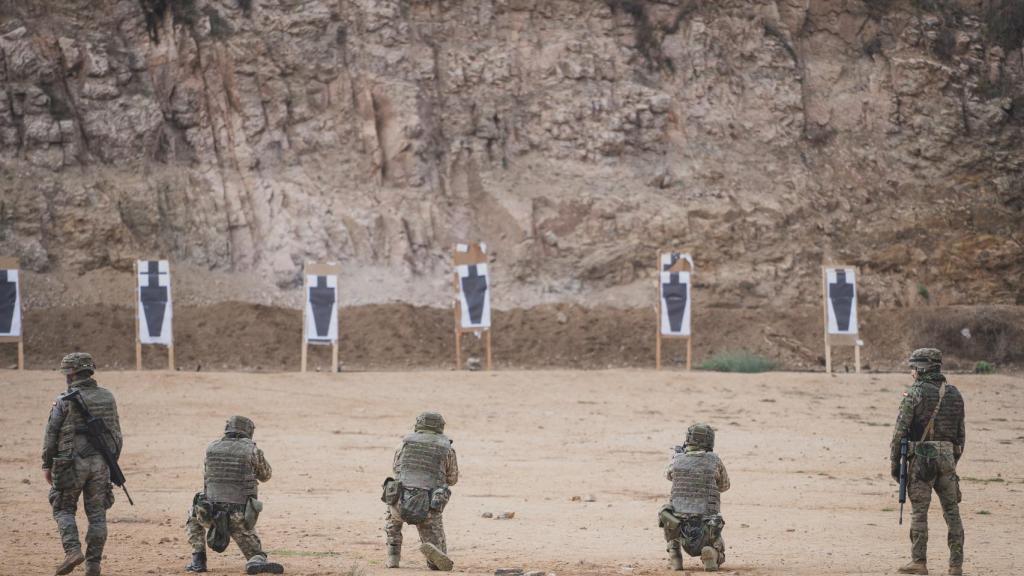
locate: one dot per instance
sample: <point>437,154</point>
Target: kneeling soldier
<point>691,519</point>
<point>228,505</point>
<point>425,466</point>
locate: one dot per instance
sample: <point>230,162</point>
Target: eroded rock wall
<point>576,137</point>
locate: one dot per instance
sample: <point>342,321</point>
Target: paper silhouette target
<point>322,308</point>
<point>841,300</point>
<point>10,303</point>
<point>474,296</point>
<point>674,291</point>
<point>154,302</point>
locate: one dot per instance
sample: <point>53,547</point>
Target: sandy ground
<point>807,454</point>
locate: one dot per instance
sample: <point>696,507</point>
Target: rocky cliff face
<point>576,137</point>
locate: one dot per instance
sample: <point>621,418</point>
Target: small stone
<point>474,364</point>
<point>576,499</point>
<point>590,498</point>
<point>562,318</point>
<point>506,516</point>
<point>26,481</point>
<point>536,573</point>
<point>508,572</point>
<point>487,515</point>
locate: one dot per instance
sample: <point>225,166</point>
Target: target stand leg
<point>21,354</point>
<point>856,357</point>
<point>334,357</point>
<point>487,342</point>
<point>689,352</point>
<point>828,359</point>
<point>170,357</point>
<point>305,353</point>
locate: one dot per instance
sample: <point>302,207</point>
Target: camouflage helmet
<point>77,362</point>
<point>926,359</point>
<point>430,421</point>
<point>701,436</point>
<point>240,425</point>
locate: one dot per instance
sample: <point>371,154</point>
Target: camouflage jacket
<point>917,408</point>
<point>59,412</point>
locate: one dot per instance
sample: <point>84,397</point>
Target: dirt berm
<point>241,336</point>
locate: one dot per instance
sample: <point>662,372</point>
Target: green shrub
<point>983,367</point>
<point>738,361</point>
<point>922,291</point>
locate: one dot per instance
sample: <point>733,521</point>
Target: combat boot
<point>436,559</point>
<point>956,571</point>
<point>709,556</point>
<point>198,562</point>
<point>914,567</point>
<point>394,557</point>
<point>677,559</point>
<point>259,565</point>
<point>71,559</point>
<point>92,569</point>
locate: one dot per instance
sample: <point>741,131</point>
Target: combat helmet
<point>430,422</point>
<point>701,436</point>
<point>926,360</point>
<point>239,426</point>
<point>77,362</point>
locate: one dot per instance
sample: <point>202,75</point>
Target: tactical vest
<point>947,421</point>
<point>101,404</point>
<point>694,487</point>
<point>231,471</point>
<point>422,462</point>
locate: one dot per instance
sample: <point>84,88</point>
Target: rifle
<point>903,476</point>
<point>96,431</point>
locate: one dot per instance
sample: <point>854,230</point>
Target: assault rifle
<point>903,476</point>
<point>97,432</point>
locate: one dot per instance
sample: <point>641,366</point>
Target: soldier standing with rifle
<point>930,433</point>
<point>80,449</point>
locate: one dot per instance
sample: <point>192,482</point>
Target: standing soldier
<point>73,466</point>
<point>691,519</point>
<point>931,418</point>
<point>425,466</point>
<point>228,505</point>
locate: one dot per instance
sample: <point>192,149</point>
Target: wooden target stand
<point>681,265</point>
<point>138,341</point>
<point>13,264</point>
<point>317,269</point>
<point>475,255</point>
<point>838,339</point>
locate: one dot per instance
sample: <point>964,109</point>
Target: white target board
<point>841,300</point>
<point>474,285</point>
<point>321,308</point>
<point>153,299</point>
<point>676,292</point>
<point>10,303</point>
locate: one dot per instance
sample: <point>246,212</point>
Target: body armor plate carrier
<point>72,438</point>
<point>421,464</point>
<point>230,474</point>
<point>694,487</point>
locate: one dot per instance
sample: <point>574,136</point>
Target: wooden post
<point>488,344</point>
<point>170,357</point>
<point>334,357</point>
<point>856,356</point>
<point>21,353</point>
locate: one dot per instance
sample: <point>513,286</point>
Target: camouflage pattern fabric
<point>694,534</point>
<point>247,539</point>
<point>944,448</point>
<point>77,362</point>
<point>946,485</point>
<point>92,482</point>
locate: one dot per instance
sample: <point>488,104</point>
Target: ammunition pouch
<point>439,498</point>
<point>253,507</point>
<point>669,521</point>
<point>392,492</point>
<point>63,472</point>
<point>219,534</point>
<point>926,461</point>
<point>414,505</point>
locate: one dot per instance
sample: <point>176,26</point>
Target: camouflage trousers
<point>431,530</point>
<point>90,478</point>
<point>694,534</point>
<point>247,539</point>
<point>943,480</point>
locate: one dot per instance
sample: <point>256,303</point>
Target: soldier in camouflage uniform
<point>932,418</point>
<point>691,519</point>
<point>425,466</point>
<point>73,467</point>
<point>228,503</point>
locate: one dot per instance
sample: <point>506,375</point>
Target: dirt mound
<point>253,337</point>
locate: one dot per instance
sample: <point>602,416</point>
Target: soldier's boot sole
<point>71,560</point>
<point>265,568</point>
<point>436,559</point>
<point>914,568</point>
<point>709,556</point>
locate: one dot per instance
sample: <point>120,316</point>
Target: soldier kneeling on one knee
<point>227,507</point>
<point>425,466</point>
<point>691,519</point>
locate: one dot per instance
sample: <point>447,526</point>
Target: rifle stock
<point>96,431</point>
